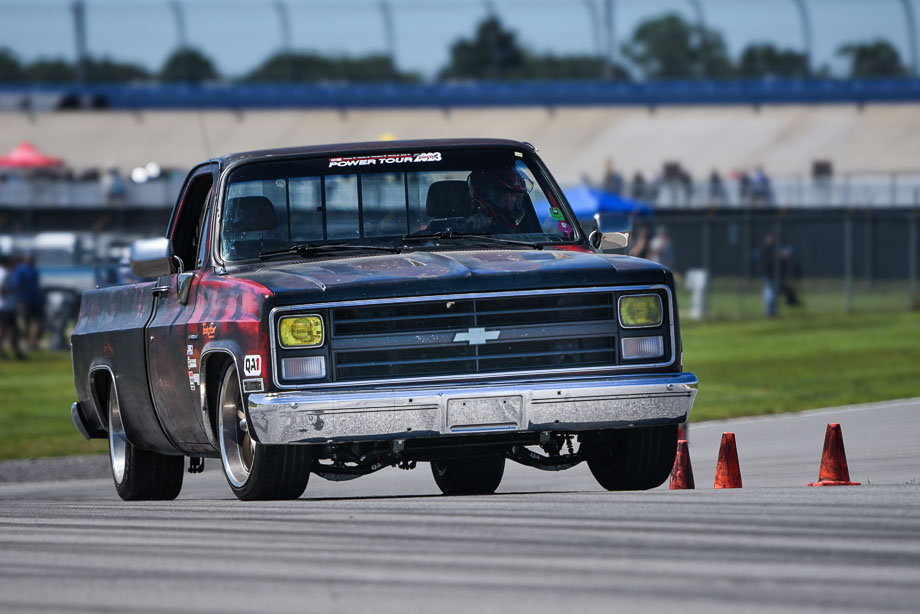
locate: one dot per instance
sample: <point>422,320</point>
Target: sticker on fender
<point>252,365</point>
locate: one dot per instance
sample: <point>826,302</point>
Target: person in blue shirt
<point>30,302</point>
<point>9,328</point>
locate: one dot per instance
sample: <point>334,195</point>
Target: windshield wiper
<point>452,234</point>
<point>310,249</point>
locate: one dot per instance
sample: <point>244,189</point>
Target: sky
<point>238,35</point>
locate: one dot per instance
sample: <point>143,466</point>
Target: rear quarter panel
<point>110,335</point>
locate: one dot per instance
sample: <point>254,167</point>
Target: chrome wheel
<point>118,441</point>
<point>237,447</point>
<point>139,474</point>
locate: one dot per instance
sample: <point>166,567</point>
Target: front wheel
<point>632,459</point>
<point>139,475</point>
<point>479,475</point>
<point>255,471</point>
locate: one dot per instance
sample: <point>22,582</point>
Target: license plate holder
<point>482,414</point>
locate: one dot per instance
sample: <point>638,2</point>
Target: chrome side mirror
<point>152,257</point>
<point>611,230</point>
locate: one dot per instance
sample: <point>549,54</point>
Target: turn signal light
<point>635,348</point>
<point>307,367</point>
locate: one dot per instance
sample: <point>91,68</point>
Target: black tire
<point>255,471</point>
<point>139,475</point>
<point>632,459</point>
<point>479,475</point>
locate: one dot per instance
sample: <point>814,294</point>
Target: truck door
<point>174,383</point>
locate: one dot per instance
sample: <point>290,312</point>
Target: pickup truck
<point>341,309</point>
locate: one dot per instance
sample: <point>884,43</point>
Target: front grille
<point>420,339</point>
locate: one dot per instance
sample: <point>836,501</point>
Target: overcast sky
<point>238,34</point>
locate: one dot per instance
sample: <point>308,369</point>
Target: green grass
<point>35,399</point>
<point>800,360</point>
<point>734,298</point>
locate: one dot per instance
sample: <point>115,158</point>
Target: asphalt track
<point>546,542</point>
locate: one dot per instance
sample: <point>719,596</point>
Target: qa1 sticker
<point>564,227</point>
<point>252,365</point>
<point>556,212</point>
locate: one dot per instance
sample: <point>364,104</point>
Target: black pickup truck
<point>341,309</point>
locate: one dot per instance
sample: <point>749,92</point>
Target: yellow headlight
<point>301,331</point>
<point>640,310</point>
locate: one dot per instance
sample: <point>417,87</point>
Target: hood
<point>422,273</point>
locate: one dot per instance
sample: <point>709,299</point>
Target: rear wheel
<point>255,471</point>
<point>139,474</point>
<point>632,459</point>
<point>478,475</point>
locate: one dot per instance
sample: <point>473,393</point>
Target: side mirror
<point>611,230</point>
<point>152,257</point>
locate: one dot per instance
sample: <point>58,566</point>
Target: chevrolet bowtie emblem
<point>477,336</point>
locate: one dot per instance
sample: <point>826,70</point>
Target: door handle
<point>158,290</point>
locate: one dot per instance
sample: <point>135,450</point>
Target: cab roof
<point>345,149</point>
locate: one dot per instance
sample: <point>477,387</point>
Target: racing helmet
<point>500,193</point>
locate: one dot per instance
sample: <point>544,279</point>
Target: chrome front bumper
<point>398,413</point>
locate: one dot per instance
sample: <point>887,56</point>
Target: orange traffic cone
<point>683,432</point>
<point>834,470</point>
<point>682,473</point>
<point>728,471</point>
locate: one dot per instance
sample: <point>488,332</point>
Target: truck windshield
<point>379,199</point>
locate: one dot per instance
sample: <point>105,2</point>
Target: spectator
<point>30,303</point>
<point>789,269</point>
<point>686,183</point>
<point>613,181</point>
<point>744,187</point>
<point>768,272</point>
<point>661,250</point>
<point>716,189</point>
<point>9,328</point>
<point>760,187</point>
<point>638,190</point>
<point>639,247</point>
<point>113,186</point>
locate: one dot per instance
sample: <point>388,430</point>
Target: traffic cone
<point>728,471</point>
<point>834,470</point>
<point>683,431</point>
<point>682,472</point>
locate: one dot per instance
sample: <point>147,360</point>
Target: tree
<point>765,60</point>
<point>310,67</point>
<point>670,48</point>
<point>878,58</point>
<point>188,64</point>
<point>10,69</point>
<point>51,71</point>
<point>569,67</point>
<point>106,70</point>
<point>493,53</point>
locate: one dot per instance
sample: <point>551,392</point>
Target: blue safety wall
<point>473,94</point>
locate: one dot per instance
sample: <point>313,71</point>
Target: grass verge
<point>802,361</point>
<point>35,408</point>
<point>798,361</point>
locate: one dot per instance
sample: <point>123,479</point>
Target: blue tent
<point>586,201</point>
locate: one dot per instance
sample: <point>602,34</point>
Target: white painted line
<point>843,409</point>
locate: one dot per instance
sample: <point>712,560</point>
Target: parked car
<point>340,309</point>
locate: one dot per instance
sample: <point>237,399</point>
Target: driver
<point>499,198</point>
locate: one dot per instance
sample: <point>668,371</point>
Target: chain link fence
<point>812,261</point>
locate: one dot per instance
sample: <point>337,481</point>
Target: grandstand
<point>868,145</point>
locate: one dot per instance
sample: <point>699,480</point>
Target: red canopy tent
<point>26,156</point>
